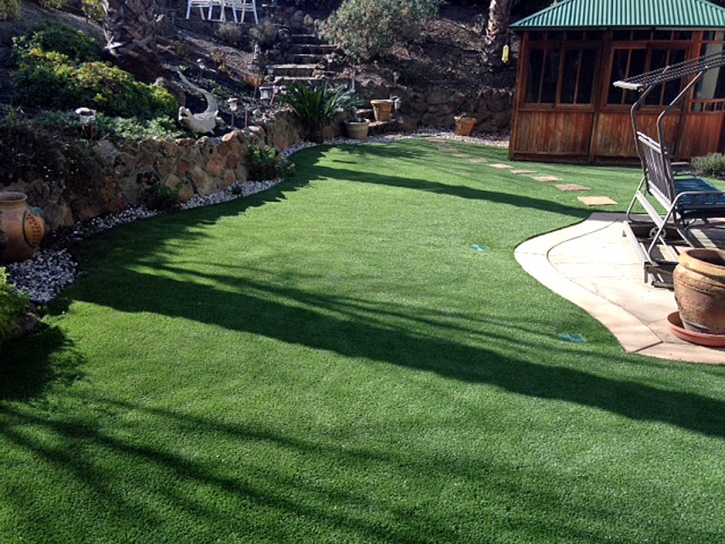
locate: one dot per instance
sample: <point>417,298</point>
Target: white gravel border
<point>49,271</point>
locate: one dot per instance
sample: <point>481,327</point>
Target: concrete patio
<point>593,265</point>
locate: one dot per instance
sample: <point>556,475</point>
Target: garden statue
<point>200,123</point>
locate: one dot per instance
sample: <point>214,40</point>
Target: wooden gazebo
<point>566,107</point>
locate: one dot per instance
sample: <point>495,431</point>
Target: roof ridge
<point>626,14</point>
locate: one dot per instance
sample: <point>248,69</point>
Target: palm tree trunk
<point>130,29</point>
<point>499,16</point>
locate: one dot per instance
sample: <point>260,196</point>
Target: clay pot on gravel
<point>464,125</point>
<point>382,109</point>
<point>21,227</point>
<point>699,282</point>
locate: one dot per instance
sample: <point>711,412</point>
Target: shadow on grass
<point>337,325</point>
<point>267,483</point>
<point>395,334</point>
<point>29,365</point>
<point>356,332</point>
<point>383,152</point>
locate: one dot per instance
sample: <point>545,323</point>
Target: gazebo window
<point>710,90</point>
<point>560,73</point>
<point>631,62</point>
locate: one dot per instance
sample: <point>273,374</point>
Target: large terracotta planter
<point>382,109</point>
<point>357,130</point>
<point>699,281</point>
<point>21,227</point>
<point>464,125</point>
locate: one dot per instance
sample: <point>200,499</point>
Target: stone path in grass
<point>444,147</point>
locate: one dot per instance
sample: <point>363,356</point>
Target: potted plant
<point>357,128</point>
<point>464,124</point>
<point>317,106</point>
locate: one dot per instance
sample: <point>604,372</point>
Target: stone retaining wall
<point>128,170</point>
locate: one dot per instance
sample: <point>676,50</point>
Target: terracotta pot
<point>21,227</point>
<point>699,281</point>
<point>358,130</point>
<point>382,109</point>
<point>464,125</point>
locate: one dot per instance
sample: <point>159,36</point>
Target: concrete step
<point>289,80</point>
<point>311,49</point>
<point>305,39</point>
<point>292,70</point>
<point>306,58</point>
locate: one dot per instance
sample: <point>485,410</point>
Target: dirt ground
<point>448,56</point>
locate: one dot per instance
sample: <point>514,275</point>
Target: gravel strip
<point>53,268</point>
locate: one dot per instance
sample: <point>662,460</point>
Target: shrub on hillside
<point>50,35</point>
<point>58,68</point>
<point>9,9</point>
<point>712,165</point>
<point>367,29</point>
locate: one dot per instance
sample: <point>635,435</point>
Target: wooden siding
<point>553,133</point>
<point>700,135</point>
<point>614,137</point>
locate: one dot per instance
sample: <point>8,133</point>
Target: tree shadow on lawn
<point>320,172</point>
<point>268,482</point>
<point>29,365</point>
<point>327,323</point>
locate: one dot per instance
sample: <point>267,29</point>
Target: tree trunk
<point>499,16</point>
<point>130,29</point>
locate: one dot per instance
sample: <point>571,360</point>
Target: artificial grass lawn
<point>332,361</point>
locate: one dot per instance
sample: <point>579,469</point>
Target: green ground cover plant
<point>333,361</point>
<point>12,304</point>
<point>60,68</point>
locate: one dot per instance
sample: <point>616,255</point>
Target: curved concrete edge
<point>634,335</point>
<point>533,256</point>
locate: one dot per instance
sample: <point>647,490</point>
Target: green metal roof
<point>695,14</point>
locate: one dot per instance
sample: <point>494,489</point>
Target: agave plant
<point>317,106</point>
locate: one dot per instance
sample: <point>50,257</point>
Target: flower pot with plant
<point>358,127</point>
<point>317,106</point>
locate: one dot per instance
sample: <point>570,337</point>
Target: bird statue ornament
<point>204,122</point>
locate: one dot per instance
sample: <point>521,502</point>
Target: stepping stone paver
<point>461,155</point>
<point>572,187</point>
<point>479,160</point>
<point>500,166</point>
<point>524,171</point>
<point>596,200</point>
<point>546,179</point>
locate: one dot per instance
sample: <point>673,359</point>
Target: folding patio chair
<point>244,6</point>
<point>202,5</point>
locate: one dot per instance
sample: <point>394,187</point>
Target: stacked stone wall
<point>200,166</point>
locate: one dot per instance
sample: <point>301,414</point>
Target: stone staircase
<point>305,61</point>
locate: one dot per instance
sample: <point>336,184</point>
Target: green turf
<point>336,361</point>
